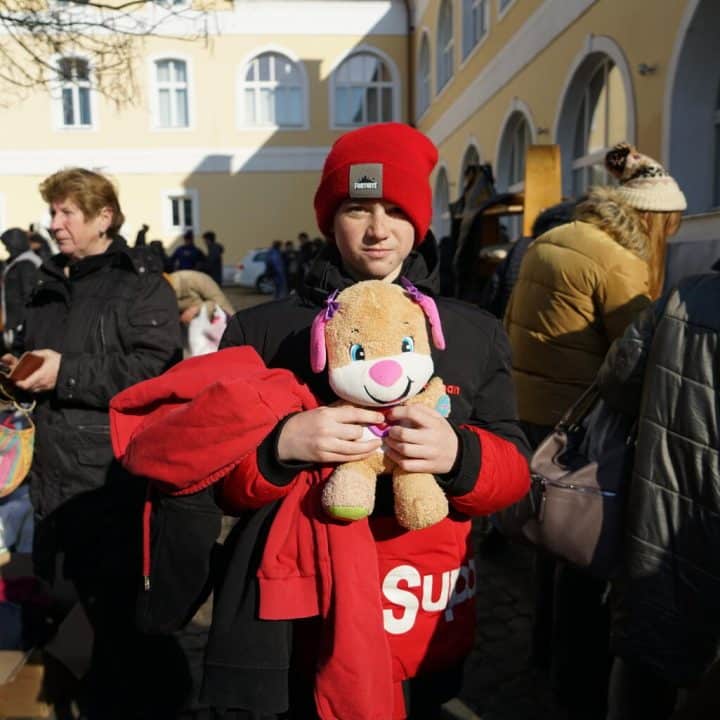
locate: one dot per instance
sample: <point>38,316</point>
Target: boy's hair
<point>89,190</point>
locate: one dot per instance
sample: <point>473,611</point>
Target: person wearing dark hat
<point>373,205</point>
<point>19,276</point>
<point>580,285</point>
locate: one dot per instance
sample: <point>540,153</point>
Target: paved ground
<point>499,682</point>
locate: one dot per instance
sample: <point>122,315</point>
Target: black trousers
<point>638,692</point>
<point>132,675</point>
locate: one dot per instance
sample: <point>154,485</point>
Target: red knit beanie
<point>389,161</point>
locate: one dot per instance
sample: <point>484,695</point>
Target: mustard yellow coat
<point>577,290</point>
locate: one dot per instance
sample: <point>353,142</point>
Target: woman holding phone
<point>101,318</point>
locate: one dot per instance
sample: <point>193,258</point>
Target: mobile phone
<point>27,364</point>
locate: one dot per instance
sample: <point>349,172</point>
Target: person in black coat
<point>665,627</point>
<point>496,293</point>
<point>103,318</point>
<point>18,280</point>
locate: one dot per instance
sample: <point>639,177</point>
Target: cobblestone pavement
<point>499,682</point>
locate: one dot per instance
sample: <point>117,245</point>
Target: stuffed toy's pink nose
<point>386,372</point>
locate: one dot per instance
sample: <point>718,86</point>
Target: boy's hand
<point>328,435</point>
<point>421,440</point>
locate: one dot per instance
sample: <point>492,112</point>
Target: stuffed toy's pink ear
<point>430,309</point>
<point>318,351</point>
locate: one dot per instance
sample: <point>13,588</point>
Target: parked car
<point>250,273</point>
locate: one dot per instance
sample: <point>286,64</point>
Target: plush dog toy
<point>373,337</point>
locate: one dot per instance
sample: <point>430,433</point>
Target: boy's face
<point>373,238</point>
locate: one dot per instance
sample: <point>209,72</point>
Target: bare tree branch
<point>35,33</point>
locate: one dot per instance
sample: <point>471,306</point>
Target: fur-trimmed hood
<point>606,210</point>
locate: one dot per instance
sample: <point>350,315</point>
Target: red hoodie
<point>396,603</point>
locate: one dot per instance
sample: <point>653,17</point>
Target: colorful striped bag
<point>17,441</point>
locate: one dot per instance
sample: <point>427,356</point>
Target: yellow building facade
<point>229,132</point>
<point>493,76</point>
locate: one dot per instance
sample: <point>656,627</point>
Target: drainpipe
<point>410,84</point>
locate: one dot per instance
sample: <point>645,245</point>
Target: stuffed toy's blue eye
<point>357,352</point>
<point>408,344</point>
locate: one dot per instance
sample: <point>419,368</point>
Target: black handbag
<point>580,476</point>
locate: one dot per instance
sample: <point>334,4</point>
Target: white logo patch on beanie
<point>366,181</point>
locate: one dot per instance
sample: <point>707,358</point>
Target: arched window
<point>272,92</point>
<point>423,95</point>
<point>691,117</point>
<point>716,200</point>
<point>445,45</point>
<point>171,83</point>
<point>513,149</point>
<point>474,24</point>
<point>74,76</point>
<point>364,91</point>
<point>601,122</point>
<point>441,205</point>
<point>471,157</point>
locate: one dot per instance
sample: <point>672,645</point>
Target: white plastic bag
<point>204,332</point>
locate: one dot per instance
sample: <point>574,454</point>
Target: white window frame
<point>476,8</point>
<point>241,116</point>
<point>394,83</point>
<point>445,46</point>
<point>597,49</point>
<point>56,93</point>
<point>513,180</point>
<point>504,7</point>
<point>583,163</point>
<point>424,76</point>
<point>167,197</point>
<point>443,216</point>
<point>157,86</point>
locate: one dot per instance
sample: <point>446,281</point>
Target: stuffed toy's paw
<point>419,500</point>
<point>349,493</point>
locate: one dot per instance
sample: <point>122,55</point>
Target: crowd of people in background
<point>579,301</point>
<point>286,265</point>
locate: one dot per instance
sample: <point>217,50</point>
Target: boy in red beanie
<point>373,205</point>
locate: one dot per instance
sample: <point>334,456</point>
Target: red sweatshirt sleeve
<point>245,487</point>
<point>504,475</point>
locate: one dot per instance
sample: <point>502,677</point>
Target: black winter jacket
<point>114,321</point>
<point>665,370</point>
<point>18,280</point>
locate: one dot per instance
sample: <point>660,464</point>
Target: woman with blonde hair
<point>580,285</point>
<point>102,318</point>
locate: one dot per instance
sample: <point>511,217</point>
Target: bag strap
<point>580,409</point>
<point>12,400</point>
